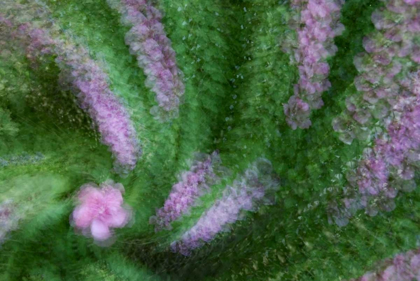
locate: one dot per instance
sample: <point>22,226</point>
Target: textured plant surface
<point>404,266</point>
<point>209,140</point>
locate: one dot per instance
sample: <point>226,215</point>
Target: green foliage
<point>237,80</point>
<point>8,128</point>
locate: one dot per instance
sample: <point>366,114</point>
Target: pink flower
<point>100,210</point>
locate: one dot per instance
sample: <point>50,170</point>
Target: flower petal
<point>100,231</point>
<point>112,197</point>
<point>118,218</point>
<point>82,216</point>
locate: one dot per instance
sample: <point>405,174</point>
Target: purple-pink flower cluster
<point>317,24</point>
<point>392,102</point>
<point>8,218</point>
<point>391,54</point>
<point>149,43</point>
<point>204,172</point>
<point>245,192</point>
<point>100,210</point>
<point>403,267</point>
<point>88,80</point>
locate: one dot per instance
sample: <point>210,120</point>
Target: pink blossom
<point>100,210</point>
